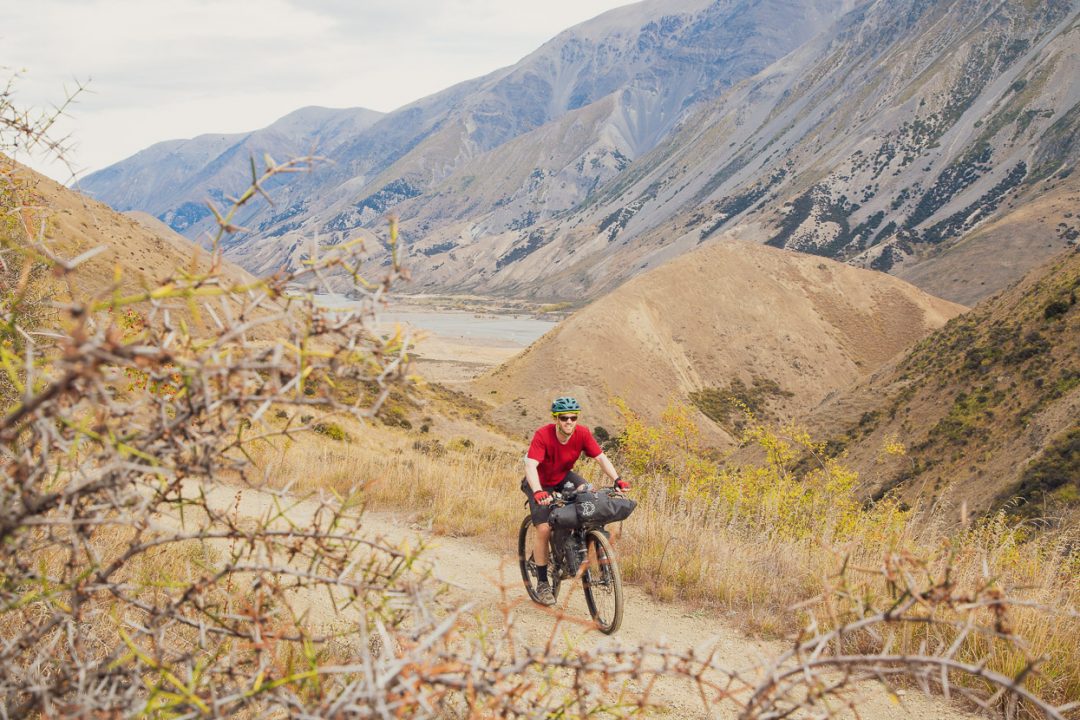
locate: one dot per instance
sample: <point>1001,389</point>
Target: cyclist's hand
<point>542,497</point>
<point>621,485</point>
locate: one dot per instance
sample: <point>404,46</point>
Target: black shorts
<point>538,512</point>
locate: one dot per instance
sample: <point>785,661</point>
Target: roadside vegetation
<point>778,545</point>
<point>989,400</point>
<point>134,582</point>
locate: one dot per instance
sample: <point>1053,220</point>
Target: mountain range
<point>883,134</point>
<point>635,166</point>
<point>889,135</point>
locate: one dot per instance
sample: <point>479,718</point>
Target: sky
<point>154,70</point>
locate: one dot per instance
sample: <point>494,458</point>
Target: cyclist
<point>548,465</point>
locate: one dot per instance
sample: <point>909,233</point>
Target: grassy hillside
<point>761,543</point>
<point>133,254</point>
<point>986,408</point>
<point>777,329</point>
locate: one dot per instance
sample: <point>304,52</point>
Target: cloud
<point>158,70</point>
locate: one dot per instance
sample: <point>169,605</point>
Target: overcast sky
<point>162,69</point>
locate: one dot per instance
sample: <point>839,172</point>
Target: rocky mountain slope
<point>173,180</point>
<point>776,328</point>
<point>883,143</point>
<point>503,152</point>
<point>987,407</point>
<point>883,133</point>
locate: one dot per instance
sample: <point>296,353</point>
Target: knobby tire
<point>602,583</point>
<point>528,567</point>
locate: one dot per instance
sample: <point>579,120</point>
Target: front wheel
<point>526,543</point>
<point>602,583</point>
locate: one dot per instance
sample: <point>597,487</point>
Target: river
<point>490,329</point>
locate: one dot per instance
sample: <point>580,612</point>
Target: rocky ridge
<point>884,134</point>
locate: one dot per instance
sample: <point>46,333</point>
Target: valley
<point>455,338</point>
<point>767,519</point>
<point>810,268</point>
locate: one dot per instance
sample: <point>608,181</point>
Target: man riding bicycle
<point>548,465</point>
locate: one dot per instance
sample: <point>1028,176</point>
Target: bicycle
<point>584,552</point>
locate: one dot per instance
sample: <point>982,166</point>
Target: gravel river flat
<point>454,346</point>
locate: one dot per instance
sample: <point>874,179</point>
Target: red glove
<point>621,484</point>
<point>542,497</point>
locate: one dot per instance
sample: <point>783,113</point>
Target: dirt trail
<point>478,575</point>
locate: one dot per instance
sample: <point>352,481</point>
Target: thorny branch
<point>131,583</point>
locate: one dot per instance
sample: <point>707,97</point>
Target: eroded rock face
<point>582,108</point>
<point>879,133</point>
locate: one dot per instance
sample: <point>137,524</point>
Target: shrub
<point>120,574</point>
<point>1052,478</point>
<point>332,431</point>
<point>727,407</point>
<point>1055,309</point>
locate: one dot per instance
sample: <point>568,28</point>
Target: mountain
<point>890,134</point>
<point>778,329</point>
<point>884,142</point>
<point>172,180</point>
<point>987,407</point>
<point>503,152</point>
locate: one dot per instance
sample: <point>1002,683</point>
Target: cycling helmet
<point>565,405</point>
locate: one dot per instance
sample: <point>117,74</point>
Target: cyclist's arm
<point>531,475</point>
<point>607,467</point>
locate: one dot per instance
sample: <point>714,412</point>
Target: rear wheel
<point>526,543</point>
<point>602,583</point>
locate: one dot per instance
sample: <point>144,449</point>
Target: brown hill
<point>137,254</point>
<point>986,407</point>
<point>776,328</point>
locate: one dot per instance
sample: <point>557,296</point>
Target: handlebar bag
<point>599,509</point>
<point>592,509</point>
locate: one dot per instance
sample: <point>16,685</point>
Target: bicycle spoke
<point>602,584</point>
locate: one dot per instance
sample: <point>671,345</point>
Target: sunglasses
<point>571,418</point>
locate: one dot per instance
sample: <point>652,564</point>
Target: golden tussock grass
<point>450,488</point>
<point>752,541</point>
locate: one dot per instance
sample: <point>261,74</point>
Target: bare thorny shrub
<point>128,587</point>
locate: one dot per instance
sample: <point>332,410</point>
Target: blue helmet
<point>565,405</point>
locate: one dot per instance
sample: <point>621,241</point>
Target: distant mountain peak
<point>882,133</point>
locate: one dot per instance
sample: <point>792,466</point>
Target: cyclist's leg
<point>543,542</point>
<point>540,514</point>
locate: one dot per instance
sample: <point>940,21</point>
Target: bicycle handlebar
<point>559,498</point>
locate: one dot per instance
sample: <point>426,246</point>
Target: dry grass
<point>437,484</point>
<point>753,541</point>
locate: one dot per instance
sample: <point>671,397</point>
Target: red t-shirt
<point>557,459</point>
